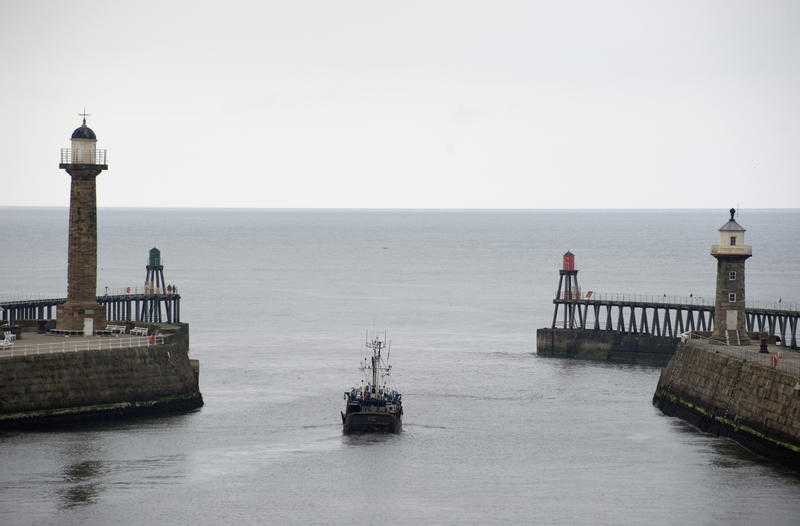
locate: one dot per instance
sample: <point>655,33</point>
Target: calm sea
<point>278,302</point>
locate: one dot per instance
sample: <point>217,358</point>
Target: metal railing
<point>674,300</point>
<point>61,296</point>
<point>65,345</point>
<point>78,156</point>
<point>739,250</point>
<point>644,298</point>
<point>19,297</point>
<point>137,291</point>
<point>773,305</point>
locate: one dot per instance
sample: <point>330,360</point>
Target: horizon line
<point>400,209</point>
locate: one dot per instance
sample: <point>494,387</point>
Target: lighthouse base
<point>81,316</point>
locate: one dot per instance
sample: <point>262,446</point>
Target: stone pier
<point>736,392</point>
<point>40,386</point>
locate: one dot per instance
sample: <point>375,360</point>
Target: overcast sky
<point>431,104</point>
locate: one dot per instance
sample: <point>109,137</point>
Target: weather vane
<point>84,114</point>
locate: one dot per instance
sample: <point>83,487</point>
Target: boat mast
<point>376,360</point>
<point>377,345</point>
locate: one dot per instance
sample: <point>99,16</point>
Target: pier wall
<point>62,387</point>
<point>755,405</point>
<point>610,346</point>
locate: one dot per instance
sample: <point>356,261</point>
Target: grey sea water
<point>278,302</point>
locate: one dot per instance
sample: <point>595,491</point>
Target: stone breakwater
<point>606,346</point>
<point>755,405</point>
<point>63,387</point>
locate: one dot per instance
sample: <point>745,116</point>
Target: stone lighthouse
<point>83,162</point>
<point>731,253</point>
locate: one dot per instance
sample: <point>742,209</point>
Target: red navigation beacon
<point>569,261</point>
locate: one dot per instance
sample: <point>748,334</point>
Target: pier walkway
<point>121,305</point>
<point>33,343</point>
<point>666,316</point>
<point>788,362</point>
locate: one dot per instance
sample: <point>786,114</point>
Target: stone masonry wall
<point>83,379</point>
<point>725,286</point>
<point>82,254</point>
<point>82,257</point>
<point>755,405</point>
<point>610,346</point>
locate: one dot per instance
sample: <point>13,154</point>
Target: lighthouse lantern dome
<point>84,133</point>
<point>84,143</point>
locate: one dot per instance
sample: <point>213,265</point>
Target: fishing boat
<point>373,407</point>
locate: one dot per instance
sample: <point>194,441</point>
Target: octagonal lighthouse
<point>83,162</point>
<point>729,304</point>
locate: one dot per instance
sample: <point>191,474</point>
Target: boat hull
<point>371,423</point>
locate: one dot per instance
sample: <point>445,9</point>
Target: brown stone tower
<point>731,253</point>
<point>83,162</point>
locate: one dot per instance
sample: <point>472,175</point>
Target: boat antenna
<point>376,361</point>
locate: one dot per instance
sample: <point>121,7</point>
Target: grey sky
<point>448,104</point>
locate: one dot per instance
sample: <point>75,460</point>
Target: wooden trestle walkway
<point>668,318</point>
<point>153,308</point>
